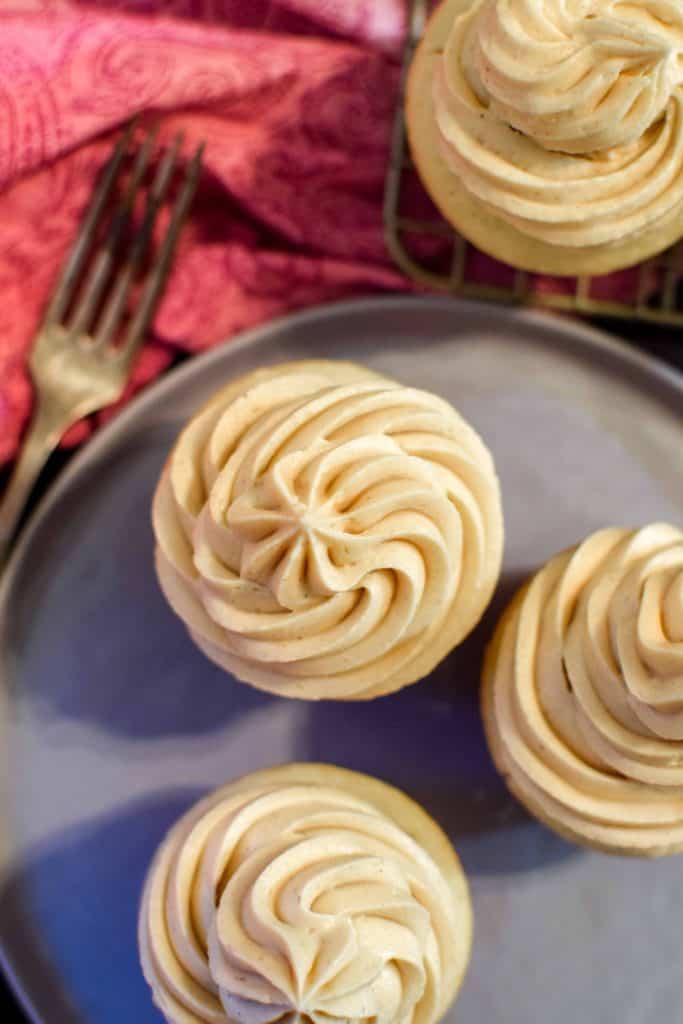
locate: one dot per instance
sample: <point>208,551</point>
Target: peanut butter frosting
<point>583,691</point>
<point>327,533</point>
<point>564,117</point>
<point>298,902</point>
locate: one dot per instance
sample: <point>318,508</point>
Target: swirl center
<point>575,76</point>
<point>300,536</point>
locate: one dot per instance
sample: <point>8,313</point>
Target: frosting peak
<point>584,691</point>
<point>297,902</point>
<point>576,76</point>
<point>325,532</point>
<point>308,527</point>
<point>565,117</point>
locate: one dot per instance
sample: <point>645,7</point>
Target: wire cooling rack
<point>429,251</point>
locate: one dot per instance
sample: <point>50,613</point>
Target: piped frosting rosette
<point>327,533</point>
<point>280,898</point>
<point>565,117</point>
<point>583,691</point>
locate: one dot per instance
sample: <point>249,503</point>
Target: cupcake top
<point>326,532</point>
<point>584,691</point>
<point>565,116</point>
<point>288,900</point>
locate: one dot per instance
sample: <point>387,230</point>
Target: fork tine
<point>74,263</point>
<point>97,278</point>
<point>157,277</point>
<point>116,303</point>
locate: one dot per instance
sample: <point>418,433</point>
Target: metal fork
<point>80,363</point>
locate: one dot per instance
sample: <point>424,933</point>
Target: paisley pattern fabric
<point>288,212</point>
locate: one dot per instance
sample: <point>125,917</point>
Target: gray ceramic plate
<point>114,724</point>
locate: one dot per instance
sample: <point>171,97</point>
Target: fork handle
<point>47,426</point>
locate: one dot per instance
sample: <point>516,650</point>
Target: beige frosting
<point>585,691</point>
<point>325,532</point>
<point>298,903</point>
<point>565,116</point>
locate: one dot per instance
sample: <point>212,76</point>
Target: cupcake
<point>300,893</point>
<point>327,533</point>
<point>550,133</point>
<point>583,692</point>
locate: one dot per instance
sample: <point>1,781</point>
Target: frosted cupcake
<point>327,533</point>
<point>300,893</point>
<point>583,692</point>
<point>550,132</point>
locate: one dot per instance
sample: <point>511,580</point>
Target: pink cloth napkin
<point>295,99</point>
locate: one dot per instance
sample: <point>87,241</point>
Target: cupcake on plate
<point>550,132</point>
<point>307,893</point>
<point>327,533</point>
<point>583,692</point>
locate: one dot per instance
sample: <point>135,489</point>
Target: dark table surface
<point>665,344</point>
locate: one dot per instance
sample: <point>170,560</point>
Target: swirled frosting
<point>299,902</point>
<point>584,691</point>
<point>565,116</point>
<point>325,532</point>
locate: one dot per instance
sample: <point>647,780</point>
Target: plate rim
<point>588,336</point>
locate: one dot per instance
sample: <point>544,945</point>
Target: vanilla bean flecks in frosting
<point>325,532</point>
<point>564,116</point>
<point>584,691</point>
<point>298,902</point>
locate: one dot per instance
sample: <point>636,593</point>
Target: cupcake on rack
<point>301,893</point>
<point>583,692</point>
<point>327,533</point>
<point>550,132</point>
